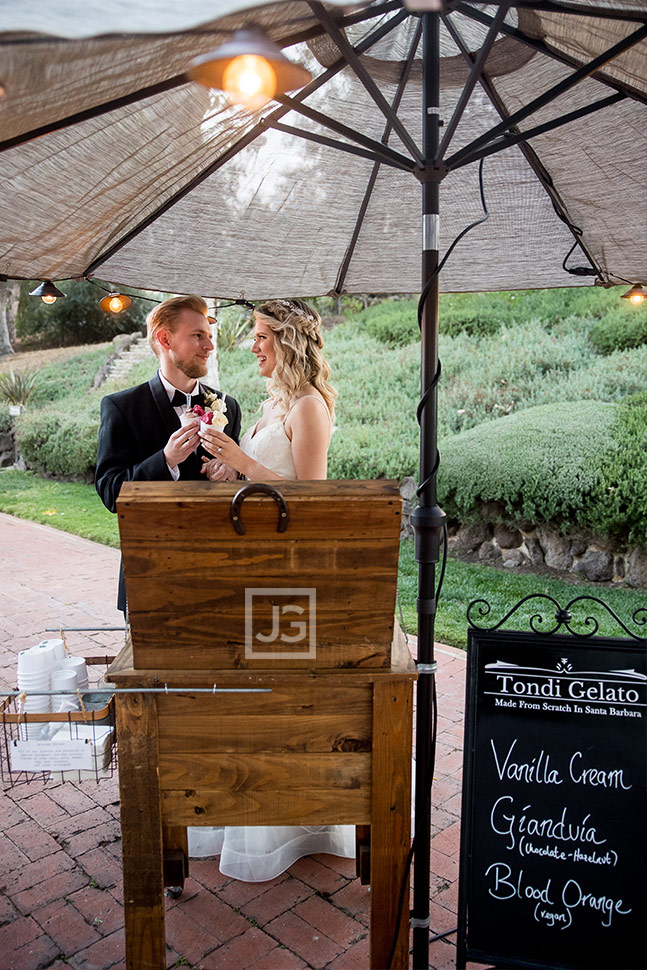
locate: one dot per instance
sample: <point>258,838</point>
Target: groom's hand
<point>217,471</point>
<point>181,443</point>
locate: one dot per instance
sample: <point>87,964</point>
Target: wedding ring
<point>220,451</point>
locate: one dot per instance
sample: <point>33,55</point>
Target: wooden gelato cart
<point>270,683</point>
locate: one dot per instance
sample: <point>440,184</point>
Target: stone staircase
<point>130,349</point>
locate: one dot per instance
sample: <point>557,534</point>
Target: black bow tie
<point>179,400</point>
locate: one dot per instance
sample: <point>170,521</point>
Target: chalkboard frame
<point>479,641</point>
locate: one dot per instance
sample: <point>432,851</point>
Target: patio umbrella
<point>115,166</point>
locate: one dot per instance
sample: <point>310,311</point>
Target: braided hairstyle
<point>298,346</point>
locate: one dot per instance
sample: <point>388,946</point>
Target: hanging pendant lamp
<point>635,295</point>
<point>249,68</point>
<point>47,292</point>
<point>115,302</point>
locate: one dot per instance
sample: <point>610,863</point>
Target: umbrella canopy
<point>114,165</point>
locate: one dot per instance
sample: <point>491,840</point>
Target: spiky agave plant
<point>16,387</point>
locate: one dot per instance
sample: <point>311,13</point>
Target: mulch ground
<point>37,359</point>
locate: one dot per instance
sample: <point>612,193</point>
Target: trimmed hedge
<point>543,464</point>
<point>580,465</point>
<point>621,506</point>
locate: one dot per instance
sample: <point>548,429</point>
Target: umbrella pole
<point>428,519</point>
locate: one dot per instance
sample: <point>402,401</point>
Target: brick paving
<point>61,903</point>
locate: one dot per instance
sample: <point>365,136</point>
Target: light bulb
<point>637,298</point>
<point>249,80</point>
<point>116,304</point>
<point>48,299</point>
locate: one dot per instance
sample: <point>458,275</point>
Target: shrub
<point>367,451</point>
<point>541,464</point>
<point>479,313</point>
<point>72,378</point>
<point>526,365</point>
<point>76,319</point>
<point>6,421</point>
<point>57,434</point>
<point>621,329</point>
<point>392,322</point>
<point>395,322</point>
<point>620,508</point>
<point>61,443</point>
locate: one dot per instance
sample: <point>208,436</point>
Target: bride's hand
<point>223,448</point>
<point>217,471</point>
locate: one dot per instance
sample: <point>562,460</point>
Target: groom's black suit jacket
<point>135,427</point>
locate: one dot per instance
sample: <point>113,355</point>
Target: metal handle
<point>235,509</point>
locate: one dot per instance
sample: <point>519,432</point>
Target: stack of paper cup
<point>58,646</point>
<point>77,665</point>
<point>65,680</point>
<point>33,675</point>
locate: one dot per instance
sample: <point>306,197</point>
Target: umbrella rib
<point>527,150</point>
<point>376,147</point>
<point>542,48</point>
<point>549,6</point>
<point>477,69</point>
<point>243,142</point>
<point>355,63</point>
<point>338,145</point>
<point>359,222</point>
<point>99,109</point>
<point>550,95</point>
<point>506,141</point>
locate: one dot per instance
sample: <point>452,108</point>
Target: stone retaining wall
<point>495,542</point>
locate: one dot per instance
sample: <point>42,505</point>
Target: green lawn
<point>75,507</point>
<point>502,588</point>
<point>70,506</point>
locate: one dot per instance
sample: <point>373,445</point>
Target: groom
<point>141,438</point>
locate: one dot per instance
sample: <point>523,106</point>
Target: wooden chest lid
<point>343,509</point>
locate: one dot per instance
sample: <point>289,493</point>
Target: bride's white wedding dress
<point>257,853</point>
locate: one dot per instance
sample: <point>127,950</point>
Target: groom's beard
<point>190,367</point>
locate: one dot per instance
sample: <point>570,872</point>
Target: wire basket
<point>70,746</point>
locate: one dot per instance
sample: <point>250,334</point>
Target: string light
<point>635,295</point>
<point>115,302</point>
<point>47,292</point>
<point>249,80</point>
<point>250,68</point>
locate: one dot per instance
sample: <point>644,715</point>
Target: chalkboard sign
<point>554,814</point>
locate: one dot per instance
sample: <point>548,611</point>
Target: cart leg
<point>176,857</point>
<point>390,824</point>
<point>141,832</point>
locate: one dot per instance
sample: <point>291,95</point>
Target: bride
<point>289,441</point>
<point>292,436</point>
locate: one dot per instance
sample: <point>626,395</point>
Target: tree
<point>9,296</point>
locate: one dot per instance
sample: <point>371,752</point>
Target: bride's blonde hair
<point>298,346</point>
